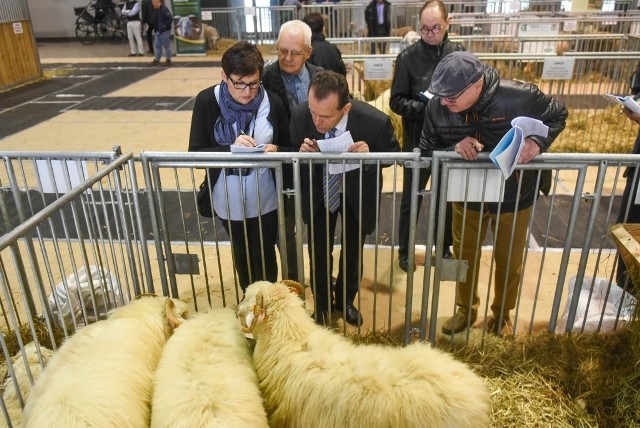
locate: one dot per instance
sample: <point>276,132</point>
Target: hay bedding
<point>548,380</point>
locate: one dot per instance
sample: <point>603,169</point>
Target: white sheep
<point>9,394</point>
<point>206,378</point>
<point>103,374</point>
<point>311,376</point>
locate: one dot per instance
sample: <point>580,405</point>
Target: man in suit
<point>377,14</point>
<point>289,78</point>
<point>329,111</point>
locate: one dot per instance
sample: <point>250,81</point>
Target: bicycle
<point>99,19</point>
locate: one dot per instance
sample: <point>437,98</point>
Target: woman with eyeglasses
<point>240,114</point>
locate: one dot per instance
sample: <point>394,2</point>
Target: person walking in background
<point>323,53</point>
<point>289,78</point>
<point>471,110</point>
<point>149,22</point>
<point>411,78</point>
<point>378,17</point>
<point>131,10</point>
<point>241,112</point>
<point>329,112</point>
<point>164,21</point>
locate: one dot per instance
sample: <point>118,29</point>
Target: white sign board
<point>378,69</point>
<point>17,28</point>
<point>59,176</point>
<point>473,185</point>
<point>207,15</point>
<point>534,30</point>
<point>559,68</point>
<point>570,25</point>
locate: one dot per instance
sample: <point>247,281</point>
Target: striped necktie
<point>331,184</point>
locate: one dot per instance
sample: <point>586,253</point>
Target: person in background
<point>149,22</point>
<point>330,112</point>
<point>411,78</point>
<point>323,53</point>
<point>241,112</point>
<point>378,17</point>
<point>288,15</point>
<point>131,10</point>
<point>289,78</point>
<point>471,110</point>
<point>164,20</point>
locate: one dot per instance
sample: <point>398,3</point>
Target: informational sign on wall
<point>187,25</point>
<point>17,28</point>
<point>378,69</point>
<point>560,68</point>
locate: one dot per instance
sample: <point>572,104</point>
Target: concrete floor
<point>168,130</point>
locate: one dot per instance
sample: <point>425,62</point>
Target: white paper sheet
<point>506,153</point>
<point>627,102</point>
<point>244,149</point>
<point>339,144</point>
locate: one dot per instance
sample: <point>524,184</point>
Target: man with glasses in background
<point>471,110</point>
<point>412,76</point>
<point>289,78</point>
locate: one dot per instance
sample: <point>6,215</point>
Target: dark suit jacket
<point>366,123</point>
<point>272,80</point>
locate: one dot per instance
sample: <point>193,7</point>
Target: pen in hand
<point>250,140</point>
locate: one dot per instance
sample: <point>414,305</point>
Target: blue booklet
<point>505,155</point>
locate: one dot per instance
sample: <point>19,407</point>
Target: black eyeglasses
<point>243,86</point>
<point>452,100</point>
<point>435,30</point>
<point>285,53</point>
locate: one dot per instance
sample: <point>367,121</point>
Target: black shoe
<point>351,315</point>
<point>403,262</point>
<point>447,254</point>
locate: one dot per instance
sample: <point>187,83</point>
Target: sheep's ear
<point>294,287</point>
<point>169,306</point>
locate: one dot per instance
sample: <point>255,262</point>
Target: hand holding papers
<point>627,102</point>
<point>507,152</point>
<point>246,149</point>
<point>339,144</point>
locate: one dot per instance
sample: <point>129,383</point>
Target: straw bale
<point>627,238</point>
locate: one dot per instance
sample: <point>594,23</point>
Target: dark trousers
<point>150,37</point>
<point>320,251</point>
<point>405,211</point>
<point>290,235</point>
<point>254,253</point>
<point>382,47</point>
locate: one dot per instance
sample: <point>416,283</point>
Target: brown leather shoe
<point>459,322</point>
<point>492,326</point>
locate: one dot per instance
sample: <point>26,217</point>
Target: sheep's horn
<point>141,295</point>
<point>169,306</point>
<point>294,287</point>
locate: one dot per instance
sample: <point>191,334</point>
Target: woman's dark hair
<point>315,21</point>
<point>242,59</point>
<point>327,82</point>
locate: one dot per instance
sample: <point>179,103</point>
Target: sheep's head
<point>260,297</point>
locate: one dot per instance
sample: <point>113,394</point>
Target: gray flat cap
<point>454,73</point>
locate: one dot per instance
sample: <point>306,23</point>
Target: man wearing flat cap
<point>470,111</point>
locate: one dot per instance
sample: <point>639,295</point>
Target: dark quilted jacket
<point>488,120</point>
